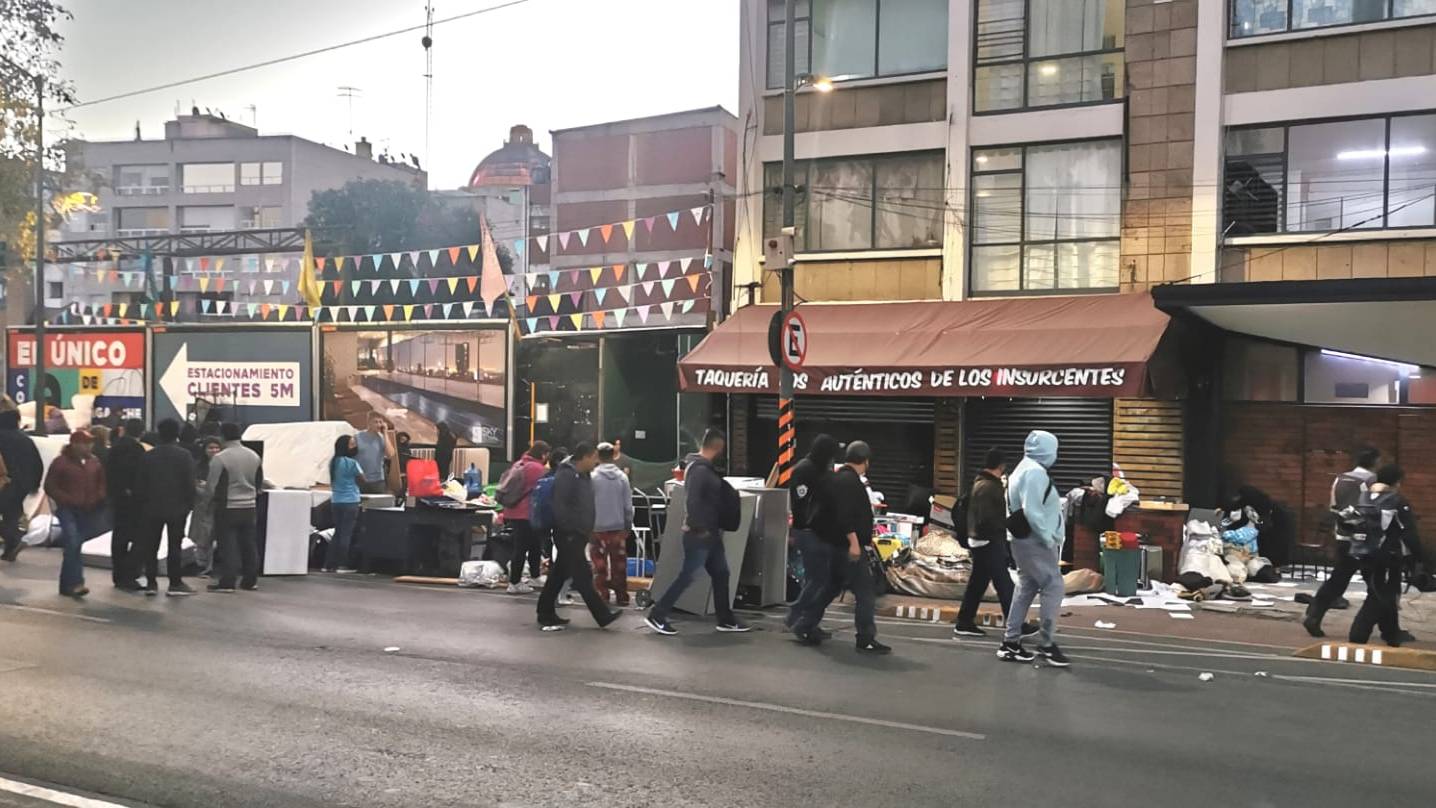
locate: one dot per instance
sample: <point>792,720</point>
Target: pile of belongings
<point>1220,554</point>
<point>1121,495</point>
<point>936,566</point>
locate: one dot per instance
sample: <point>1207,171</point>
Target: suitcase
<point>1151,568</point>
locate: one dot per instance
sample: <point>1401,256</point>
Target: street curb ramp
<point>1353,653</point>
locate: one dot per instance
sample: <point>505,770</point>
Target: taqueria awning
<point>1088,345</point>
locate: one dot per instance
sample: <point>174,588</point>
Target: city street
<point>287,697</point>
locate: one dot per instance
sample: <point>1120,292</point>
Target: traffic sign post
<point>794,341</point>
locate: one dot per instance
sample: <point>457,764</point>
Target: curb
<point>940,614</point>
<point>1409,658</point>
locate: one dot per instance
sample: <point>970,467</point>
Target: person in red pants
<point>613,521</point>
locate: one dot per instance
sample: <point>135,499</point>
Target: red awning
<point>1089,345</point>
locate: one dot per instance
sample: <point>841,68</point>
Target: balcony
<point>142,190</point>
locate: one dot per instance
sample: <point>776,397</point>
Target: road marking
<point>37,610</point>
<point>778,708</point>
<point>52,796</point>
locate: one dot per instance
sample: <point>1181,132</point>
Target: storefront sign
<point>246,384</point>
<point>1102,381</point>
<point>253,376</point>
<point>108,365</point>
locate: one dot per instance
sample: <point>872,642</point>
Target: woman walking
<point>344,481</point>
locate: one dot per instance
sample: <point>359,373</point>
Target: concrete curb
<point>940,614</point>
<point>1410,658</point>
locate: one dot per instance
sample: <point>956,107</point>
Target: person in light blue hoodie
<point>1031,491</point>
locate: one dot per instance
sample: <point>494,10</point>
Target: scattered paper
<point>1287,584</point>
<point>1206,677</point>
<point>1262,674</point>
<point>393,649</point>
<point>1180,616</point>
<point>1104,624</point>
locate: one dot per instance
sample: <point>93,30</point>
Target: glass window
<point>1056,211</point>
<point>142,180</point>
<point>1255,159</point>
<point>840,207</point>
<point>268,173</point>
<point>845,38</point>
<point>1259,371</point>
<point>1411,193</point>
<point>143,219</point>
<point>1412,8</point>
<point>778,42</point>
<point>892,202</point>
<point>249,174</point>
<point>207,178</point>
<point>1334,175</point>
<point>1321,13</point>
<point>1255,17</point>
<point>1066,52</point>
<point>273,173</point>
<point>912,36</point>
<point>1344,379</point>
<point>909,202</point>
<point>202,218</point>
<point>256,217</point>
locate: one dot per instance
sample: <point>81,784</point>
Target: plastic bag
<point>424,478</point>
<point>488,574</point>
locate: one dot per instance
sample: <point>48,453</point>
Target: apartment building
<point>1223,211</point>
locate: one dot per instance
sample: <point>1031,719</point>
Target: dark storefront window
<point>558,378</point>
<point>1256,17</point>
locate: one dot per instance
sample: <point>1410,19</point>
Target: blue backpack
<point>541,506</point>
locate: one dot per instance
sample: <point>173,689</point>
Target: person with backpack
<point>985,524</point>
<point>573,513</point>
<point>1380,533</point>
<point>821,564</point>
<point>706,497</point>
<point>515,493</point>
<point>1346,491</point>
<point>1035,524</point>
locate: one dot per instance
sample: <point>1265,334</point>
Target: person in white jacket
<point>1038,554</point>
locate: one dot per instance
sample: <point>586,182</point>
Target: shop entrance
<point>1083,427</point>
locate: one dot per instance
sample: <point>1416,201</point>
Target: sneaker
<point>1030,629</point>
<point>249,587</point>
<point>129,586</point>
<point>520,589</point>
<point>151,591</point>
<point>1054,656</point>
<point>735,627</point>
<point>179,590</point>
<point>812,638</point>
<point>609,619</point>
<point>873,647</point>
<point>552,626</point>
<point>1014,652</point>
<point>11,555</point>
<point>221,590</point>
<point>346,571</point>
<point>660,626</point>
<point>967,630</point>
<point>1312,624</point>
<point>77,592</point>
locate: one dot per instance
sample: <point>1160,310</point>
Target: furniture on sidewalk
<point>422,538</point>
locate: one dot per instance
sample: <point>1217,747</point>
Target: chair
<point>1314,552</point>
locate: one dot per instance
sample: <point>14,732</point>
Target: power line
<point>291,57</point>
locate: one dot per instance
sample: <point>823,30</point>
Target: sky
<point>550,64</point>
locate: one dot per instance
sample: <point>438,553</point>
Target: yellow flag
<point>309,289</point>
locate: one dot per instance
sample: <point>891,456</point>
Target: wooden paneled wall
<point>1147,444</point>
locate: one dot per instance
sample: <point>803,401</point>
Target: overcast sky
<point>551,64</point>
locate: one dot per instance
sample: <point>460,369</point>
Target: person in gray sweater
<point>235,478</point>
<point>612,522</point>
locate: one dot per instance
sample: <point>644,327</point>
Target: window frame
<point>1388,17</point>
<point>1282,210</point>
<point>1026,61</point>
<point>262,177</point>
<point>802,175</point>
<point>876,74</point>
<point>1022,243</point>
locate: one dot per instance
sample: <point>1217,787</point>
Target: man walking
<point>76,482</point>
<point>168,488</point>
<point>573,525</point>
<point>519,517</point>
<point>703,491</point>
<point>1382,568</point>
<point>613,521</point>
<point>822,565</point>
<point>987,542</point>
<point>122,473</point>
<point>1347,490</point>
<point>235,478</point>
<point>375,450</point>
<point>1036,527</point>
<point>845,522</point>
<point>22,462</point>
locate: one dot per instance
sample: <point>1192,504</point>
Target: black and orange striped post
<point>787,441</point>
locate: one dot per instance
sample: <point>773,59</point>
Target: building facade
<point>1253,168</point>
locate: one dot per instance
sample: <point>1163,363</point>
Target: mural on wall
<point>109,365</point>
<point>418,379</point>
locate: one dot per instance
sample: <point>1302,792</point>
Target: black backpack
<point>1365,525</point>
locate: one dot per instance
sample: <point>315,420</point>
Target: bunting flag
<point>618,315</point>
<point>454,253</point>
<point>408,313</point>
<point>428,311</point>
<point>251,308</point>
<point>648,223</point>
<point>668,286</point>
<point>666,307</point>
<point>368,313</point>
<point>582,237</point>
<point>378,260</point>
<point>388,312</point>
<point>354,287</point>
<point>283,309</point>
<point>396,258</point>
<point>643,312</point>
<point>697,215</point>
<point>606,231</point>
<point>542,242</point>
<point>595,273</point>
<point>531,324</point>
<point>473,283</point>
<point>598,318</point>
<point>434,285</point>
<point>673,221</point>
<point>413,286</point>
<point>619,271</point>
<point>687,306</point>
<point>553,280</point>
<point>553,301</point>
<point>206,305</point>
<point>268,286</point>
<point>577,320</point>
<point>563,240</point>
<point>576,298</point>
<point>474,250</point>
<point>599,295</point>
<point>453,285</point>
<point>693,282</point>
<point>433,258</point>
<point>204,284</point>
<point>320,262</point>
<point>264,311</point>
<point>174,307</point>
<point>628,230</point>
<point>532,302</point>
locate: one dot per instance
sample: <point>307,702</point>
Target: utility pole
<point>787,428</point>
<point>38,394</point>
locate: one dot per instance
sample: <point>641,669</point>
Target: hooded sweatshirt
<point>1030,488</point>
<point>808,479</point>
<point>703,487</point>
<point>612,499</point>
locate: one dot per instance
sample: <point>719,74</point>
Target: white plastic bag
<point>487,574</point>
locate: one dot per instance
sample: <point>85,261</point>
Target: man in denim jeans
<point>76,482</point>
<point>702,539</point>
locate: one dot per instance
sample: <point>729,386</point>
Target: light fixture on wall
<point>822,84</point>
<point>1048,70</point>
<point>1405,368</point>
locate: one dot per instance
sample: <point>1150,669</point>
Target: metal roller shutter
<point>1083,427</point>
<point>900,432</point>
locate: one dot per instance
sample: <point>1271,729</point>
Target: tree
<point>377,216</point>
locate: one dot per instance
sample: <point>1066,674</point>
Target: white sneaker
<point>520,589</point>
<point>566,600</point>
<point>346,571</point>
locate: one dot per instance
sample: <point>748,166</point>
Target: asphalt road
<point>286,697</point>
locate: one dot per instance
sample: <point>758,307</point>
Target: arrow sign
<point>241,384</point>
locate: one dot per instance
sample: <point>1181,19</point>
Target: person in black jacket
<point>987,542</point>
<point>122,475</point>
<point>167,487</point>
<point>22,461</point>
<point>845,523</point>
<point>573,526</point>
<point>702,539</point>
<point>1382,570</point>
<point>804,487</point>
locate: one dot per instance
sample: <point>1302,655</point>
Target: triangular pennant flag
<point>628,230</point>
<point>619,271</point>
<point>250,308</point>
<point>268,286</point>
<point>269,265</point>
<point>668,286</point>
<point>319,263</point>
<point>453,285</point>
<point>388,312</point>
<point>673,221</point>
<point>204,264</point>
<point>531,324</point>
<point>283,310</point>
<point>124,309</point>
<point>413,286</point>
<point>283,287</point>
<point>598,318</point>
<point>378,259</point>
<point>433,258</point>
<point>698,214</point>
<point>264,311</point>
<point>563,239</point>
<point>553,301</point>
<point>595,273</point>
<point>693,282</point>
<point>434,285</point>
<point>474,253</point>
<point>219,265</point>
<point>206,305</point>
<point>368,312</point>
<point>221,306</point>
<point>553,323</point>
<point>454,253</point>
<point>252,283</point>
<point>473,281</point>
<point>107,309</point>
<point>577,320</point>
<point>542,242</point>
<point>576,298</point>
<point>174,307</point>
<point>408,313</point>
<point>396,257</point>
<point>643,312</point>
<point>144,309</point>
<point>618,315</point>
<point>688,264</point>
<point>688,306</point>
<point>203,283</point>
<point>519,247</point>
<point>353,287</point>
<point>606,231</point>
<point>337,285</point>
<point>394,285</point>
<point>648,223</point>
<point>531,302</point>
<point>583,235</point>
<point>553,281</point>
<point>599,295</point>
<point>428,311</point>
<point>667,308</point>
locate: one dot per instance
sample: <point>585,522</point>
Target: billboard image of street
<point>418,379</point>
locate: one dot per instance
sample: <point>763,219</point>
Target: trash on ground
<point>1104,624</point>
<point>392,649</point>
<point>1206,677</point>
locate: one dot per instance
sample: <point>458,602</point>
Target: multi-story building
<point>207,174</point>
<point>1212,224</point>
